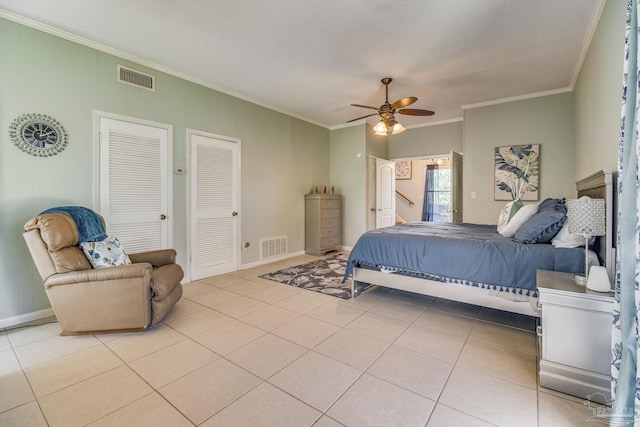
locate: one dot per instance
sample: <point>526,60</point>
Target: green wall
<point>281,156</point>
<point>598,94</point>
<point>348,172</point>
<point>427,141</point>
<point>547,120</point>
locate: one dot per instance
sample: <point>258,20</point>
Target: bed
<point>472,263</point>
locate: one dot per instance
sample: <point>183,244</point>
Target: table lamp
<point>586,216</point>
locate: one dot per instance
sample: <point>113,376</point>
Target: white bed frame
<point>598,185</point>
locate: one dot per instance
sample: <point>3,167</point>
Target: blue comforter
<point>89,223</point>
<point>473,254</point>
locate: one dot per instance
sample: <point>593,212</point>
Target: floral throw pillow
<point>507,213</point>
<point>106,253</point>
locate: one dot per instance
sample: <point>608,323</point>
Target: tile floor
<point>238,350</point>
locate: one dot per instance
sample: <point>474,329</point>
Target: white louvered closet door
<point>134,184</point>
<point>214,206</point>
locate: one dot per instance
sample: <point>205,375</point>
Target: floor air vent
<point>273,247</point>
<point>136,78</point>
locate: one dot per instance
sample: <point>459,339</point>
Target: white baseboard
<point>269,261</point>
<point>24,318</point>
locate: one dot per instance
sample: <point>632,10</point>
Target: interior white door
<point>135,184</point>
<point>214,206</point>
<point>385,193</point>
<point>456,187</point>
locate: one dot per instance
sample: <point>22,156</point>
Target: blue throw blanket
<point>90,227</point>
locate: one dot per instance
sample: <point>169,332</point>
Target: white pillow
<point>564,239</point>
<point>507,213</point>
<point>522,216</point>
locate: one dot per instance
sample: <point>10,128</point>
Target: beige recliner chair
<point>114,299</point>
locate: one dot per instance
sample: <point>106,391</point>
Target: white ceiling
<point>312,59</point>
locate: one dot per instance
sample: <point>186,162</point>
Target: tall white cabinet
<point>323,223</point>
<point>575,334</point>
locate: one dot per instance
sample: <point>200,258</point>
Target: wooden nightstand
<point>575,335</point>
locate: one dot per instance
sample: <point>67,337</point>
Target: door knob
<point>163,217</point>
<point>234,213</point>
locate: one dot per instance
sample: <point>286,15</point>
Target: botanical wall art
<point>517,172</point>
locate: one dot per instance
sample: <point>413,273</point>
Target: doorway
<point>429,189</point>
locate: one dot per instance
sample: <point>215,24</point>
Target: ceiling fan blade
<point>416,112</point>
<point>404,102</point>
<point>368,115</point>
<point>364,106</point>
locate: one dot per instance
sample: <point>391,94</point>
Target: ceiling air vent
<point>136,78</point>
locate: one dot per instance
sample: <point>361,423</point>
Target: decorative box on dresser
<point>575,335</point>
<point>323,223</point>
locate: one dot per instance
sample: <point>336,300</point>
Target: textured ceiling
<point>312,59</point>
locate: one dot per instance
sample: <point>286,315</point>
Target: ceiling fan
<point>387,111</point>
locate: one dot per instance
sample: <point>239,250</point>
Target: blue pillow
<point>545,224</point>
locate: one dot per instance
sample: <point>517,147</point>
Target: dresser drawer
<point>330,222</point>
<point>330,204</point>
<point>330,213</point>
<point>329,232</point>
<point>330,241</point>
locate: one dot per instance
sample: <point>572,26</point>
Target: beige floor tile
<point>377,326</point>
<point>206,391</point>
<point>336,314</point>
<point>398,310</point>
<point>266,355</point>
<point>136,345</point>
<point>5,344</point>
<point>223,280</point>
<point>414,371</point>
<point>491,399</point>
<point>65,371</point>
<point>198,322</point>
<point>434,343</point>
<point>240,306</point>
<point>94,398</point>
<point>445,322</point>
<point>248,273</point>
<point>183,308</point>
<point>270,317</point>
<point>499,362</point>
<point>9,363</point>
<point>28,335</point>
<point>305,331</point>
<point>193,289</point>
<point>443,416</point>
<point>300,303</point>
<point>557,412</point>
<point>150,411</point>
<point>373,402</point>
<point>265,406</point>
<point>504,336</point>
<point>218,296</point>
<point>285,287</point>
<point>27,415</point>
<point>247,287</point>
<point>228,337</point>
<point>272,294</point>
<point>363,301</point>
<point>170,363</point>
<point>455,307</point>
<point>14,391</point>
<point>315,379</point>
<point>326,421</point>
<point>352,348</point>
<point>48,349</point>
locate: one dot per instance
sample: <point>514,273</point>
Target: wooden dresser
<point>323,223</point>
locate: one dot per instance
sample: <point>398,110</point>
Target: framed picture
<point>403,170</point>
<point>517,172</point>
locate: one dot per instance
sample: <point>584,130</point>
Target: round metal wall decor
<point>38,134</point>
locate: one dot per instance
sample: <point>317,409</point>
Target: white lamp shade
<point>586,216</point>
<point>380,128</point>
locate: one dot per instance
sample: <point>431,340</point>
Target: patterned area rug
<point>324,275</point>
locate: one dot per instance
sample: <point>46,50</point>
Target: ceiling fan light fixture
<point>397,128</point>
<point>380,128</point>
